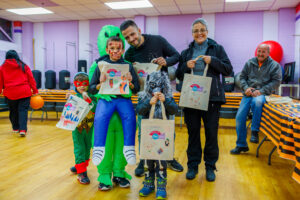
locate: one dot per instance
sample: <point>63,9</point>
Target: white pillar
<point>270,25</point>
<point>84,39</point>
<point>18,36</point>
<point>39,49</point>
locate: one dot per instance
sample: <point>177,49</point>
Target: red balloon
<point>276,51</point>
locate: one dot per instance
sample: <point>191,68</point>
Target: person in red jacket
<point>18,85</point>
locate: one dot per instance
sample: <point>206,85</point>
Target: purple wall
<point>177,29</point>
<point>239,33</point>
<point>27,43</point>
<point>59,53</point>
<point>286,31</point>
<point>95,27</point>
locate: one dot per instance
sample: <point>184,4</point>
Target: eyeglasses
<point>199,31</point>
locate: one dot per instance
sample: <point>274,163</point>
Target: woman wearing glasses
<point>215,56</point>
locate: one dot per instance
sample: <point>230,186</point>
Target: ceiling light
<point>229,1</point>
<point>30,11</point>
<point>129,4</point>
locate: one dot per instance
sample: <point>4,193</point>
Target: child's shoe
<point>83,178</point>
<point>22,133</point>
<point>104,187</point>
<point>161,192</point>
<point>148,186</point>
<point>73,170</point>
<point>15,131</point>
<point>98,155</point>
<point>122,182</point>
<point>129,154</point>
<point>140,170</point>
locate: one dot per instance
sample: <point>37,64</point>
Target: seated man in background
<point>260,76</point>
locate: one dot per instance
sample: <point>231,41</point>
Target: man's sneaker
<point>175,166</point>
<point>122,182</point>
<point>191,173</point>
<point>73,170</point>
<point>210,175</point>
<point>83,178</point>
<point>161,192</point>
<point>148,186</point>
<point>15,131</point>
<point>254,137</point>
<point>238,150</point>
<point>104,187</point>
<point>22,133</point>
<point>140,170</point>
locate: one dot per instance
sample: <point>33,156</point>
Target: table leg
<point>269,161</point>
<point>257,150</point>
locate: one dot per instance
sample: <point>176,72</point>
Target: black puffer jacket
<point>220,64</point>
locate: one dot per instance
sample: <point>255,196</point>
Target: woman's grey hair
<point>200,20</point>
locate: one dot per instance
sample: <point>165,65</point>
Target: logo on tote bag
<point>196,88</point>
<point>142,73</point>
<point>157,135</point>
<point>113,72</point>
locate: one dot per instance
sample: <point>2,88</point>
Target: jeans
<point>256,105</point>
<point>18,113</point>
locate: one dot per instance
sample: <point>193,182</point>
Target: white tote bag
<point>195,91</point>
<point>143,69</point>
<point>157,137</point>
<point>75,110</point>
<point>116,81</point>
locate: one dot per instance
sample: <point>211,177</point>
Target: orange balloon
<point>36,102</point>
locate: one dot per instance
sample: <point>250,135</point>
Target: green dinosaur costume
<point>114,161</point>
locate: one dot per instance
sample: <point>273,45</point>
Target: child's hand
<point>68,95</point>
<point>161,97</point>
<point>153,100</point>
<point>86,97</point>
<point>128,76</point>
<point>102,78</point>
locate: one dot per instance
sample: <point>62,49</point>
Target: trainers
<point>15,131</point>
<point>175,165</point>
<point>210,175</point>
<point>22,133</point>
<point>191,173</point>
<point>238,150</point>
<point>148,186</point>
<point>83,178</point>
<point>104,187</point>
<point>129,154</point>
<point>161,192</point>
<point>122,182</point>
<point>140,170</point>
<point>254,137</point>
<point>73,170</point>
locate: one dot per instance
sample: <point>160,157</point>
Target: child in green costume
<point>82,135</point>
<point>114,162</point>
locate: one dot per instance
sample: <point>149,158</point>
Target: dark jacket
<point>220,64</point>
<point>96,76</point>
<point>143,108</point>
<point>265,78</point>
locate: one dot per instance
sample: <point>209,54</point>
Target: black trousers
<point>18,113</point>
<point>158,168</point>
<point>192,118</point>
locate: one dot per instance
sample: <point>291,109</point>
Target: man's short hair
<point>126,24</point>
<point>200,20</point>
<point>115,39</point>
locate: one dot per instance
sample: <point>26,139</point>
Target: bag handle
<point>163,111</point>
<point>206,67</point>
<point>159,66</point>
<point>205,70</point>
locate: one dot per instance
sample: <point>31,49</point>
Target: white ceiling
<point>96,9</point>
